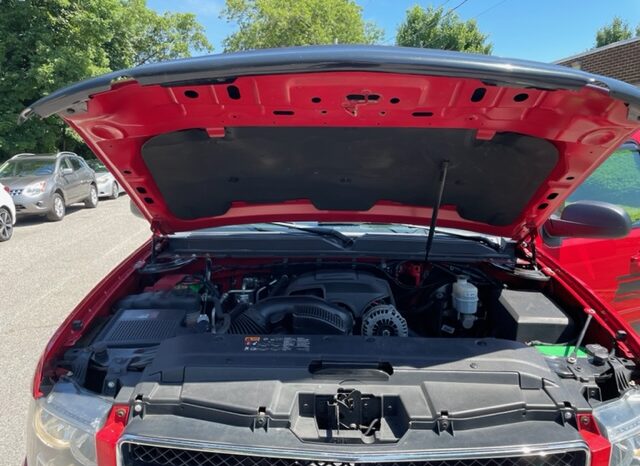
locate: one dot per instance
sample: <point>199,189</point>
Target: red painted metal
<point>599,446</point>
<point>586,125</point>
<point>107,437</point>
<point>607,267</point>
<point>609,321</point>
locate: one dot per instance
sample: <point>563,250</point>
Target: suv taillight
<point>7,189</point>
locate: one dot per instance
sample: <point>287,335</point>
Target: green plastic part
<point>560,351</point>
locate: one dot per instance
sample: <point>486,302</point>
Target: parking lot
<point>45,270</point>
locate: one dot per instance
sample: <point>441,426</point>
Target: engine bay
<point>332,316</point>
<point>363,301</point>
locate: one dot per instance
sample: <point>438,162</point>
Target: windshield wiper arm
<point>476,238</point>
<point>345,241</point>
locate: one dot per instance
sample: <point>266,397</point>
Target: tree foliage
<point>47,44</point>
<point>439,29</point>
<point>613,32</point>
<point>149,37</point>
<point>281,23</point>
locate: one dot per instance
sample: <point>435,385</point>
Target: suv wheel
<point>92,201</point>
<point>6,224</point>
<point>115,191</point>
<point>58,209</point>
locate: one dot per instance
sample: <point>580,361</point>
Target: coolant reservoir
<point>465,300</point>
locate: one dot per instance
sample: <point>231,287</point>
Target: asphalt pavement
<point>45,270</point>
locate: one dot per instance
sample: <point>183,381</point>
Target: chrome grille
<point>144,455</point>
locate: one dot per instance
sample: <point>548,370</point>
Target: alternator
<point>384,321</point>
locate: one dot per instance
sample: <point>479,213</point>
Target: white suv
<point>7,214</point>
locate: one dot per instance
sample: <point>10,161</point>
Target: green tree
<point>613,32</point>
<point>280,23</point>
<point>47,44</point>
<point>439,29</point>
<point>145,36</point>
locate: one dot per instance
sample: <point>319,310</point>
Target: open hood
<point>349,133</point>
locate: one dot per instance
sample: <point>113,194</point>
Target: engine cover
<point>300,315</point>
<point>354,290</point>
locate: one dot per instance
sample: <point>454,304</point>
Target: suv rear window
<point>27,167</point>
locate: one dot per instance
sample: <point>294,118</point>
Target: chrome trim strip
<point>364,457</point>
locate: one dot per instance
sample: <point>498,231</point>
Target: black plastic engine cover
<point>183,299</point>
<point>349,289</point>
<point>231,379</point>
<point>142,327</point>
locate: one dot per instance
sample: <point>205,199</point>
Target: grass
<point>634,213</point>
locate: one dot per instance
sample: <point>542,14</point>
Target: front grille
<point>144,455</point>
<point>20,207</point>
<point>15,192</point>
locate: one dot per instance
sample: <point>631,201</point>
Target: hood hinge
<point>158,228</point>
<point>156,247</point>
<point>157,239</point>
<point>528,245</point>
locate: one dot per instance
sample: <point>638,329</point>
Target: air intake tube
<point>293,314</point>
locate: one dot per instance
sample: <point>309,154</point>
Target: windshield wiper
<point>477,238</point>
<point>330,233</point>
<point>498,245</point>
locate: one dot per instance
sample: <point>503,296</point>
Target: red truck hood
<point>356,134</point>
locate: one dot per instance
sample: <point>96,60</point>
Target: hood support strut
<point>436,208</point>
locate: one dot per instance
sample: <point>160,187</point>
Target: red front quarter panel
<point>610,268</point>
<point>610,321</point>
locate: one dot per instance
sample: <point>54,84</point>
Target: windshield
<point>96,165</point>
<point>27,167</point>
<point>616,181</point>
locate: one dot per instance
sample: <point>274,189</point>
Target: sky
<point>542,30</point>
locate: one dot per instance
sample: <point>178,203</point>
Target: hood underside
<point>349,134</point>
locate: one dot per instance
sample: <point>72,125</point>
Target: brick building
<point>620,60</point>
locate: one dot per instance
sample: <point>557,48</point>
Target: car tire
<point>92,201</point>
<point>58,208</point>
<point>6,224</point>
<point>115,191</point>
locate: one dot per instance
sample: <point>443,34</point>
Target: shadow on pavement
<point>30,220</point>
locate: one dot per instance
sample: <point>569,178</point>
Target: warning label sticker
<point>276,343</point>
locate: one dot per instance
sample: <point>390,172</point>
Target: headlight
<point>619,421</point>
<point>63,426</point>
<point>35,188</point>
<point>102,179</point>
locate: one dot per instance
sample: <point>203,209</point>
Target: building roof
<point>620,60</point>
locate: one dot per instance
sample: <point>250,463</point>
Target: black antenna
<point>436,208</point>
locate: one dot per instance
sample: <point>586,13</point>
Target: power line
<point>489,9</point>
<point>457,6</point>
